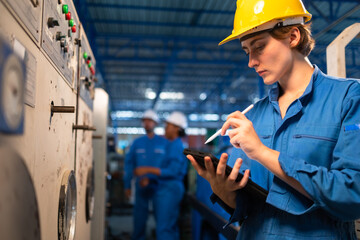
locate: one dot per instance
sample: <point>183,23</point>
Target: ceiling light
<point>172,95</point>
<point>203,96</point>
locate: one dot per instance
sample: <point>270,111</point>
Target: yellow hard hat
<point>257,15</point>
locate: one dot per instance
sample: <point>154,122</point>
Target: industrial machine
<point>46,123</point>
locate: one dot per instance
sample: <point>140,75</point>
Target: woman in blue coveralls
<point>171,179</point>
<point>301,143</point>
<point>148,150</point>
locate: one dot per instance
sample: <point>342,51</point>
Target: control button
<point>68,16</point>
<point>65,8</point>
<point>52,22</point>
<point>69,33</point>
<point>77,42</point>
<point>89,65</point>
<point>73,29</point>
<point>88,61</point>
<point>59,36</point>
<point>85,55</point>
<point>71,22</point>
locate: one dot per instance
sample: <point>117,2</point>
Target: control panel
<point>87,71</point>
<point>29,12</point>
<point>60,36</point>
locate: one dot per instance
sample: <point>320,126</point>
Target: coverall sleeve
<point>129,166</point>
<point>337,189</point>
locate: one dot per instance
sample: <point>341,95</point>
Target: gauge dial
<point>12,95</point>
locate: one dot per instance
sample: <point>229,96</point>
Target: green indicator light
<point>71,22</point>
<point>65,8</point>
<point>85,55</point>
<point>89,65</point>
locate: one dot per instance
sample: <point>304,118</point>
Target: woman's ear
<point>295,37</point>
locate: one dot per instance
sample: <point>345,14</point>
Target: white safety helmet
<point>178,119</point>
<point>150,114</point>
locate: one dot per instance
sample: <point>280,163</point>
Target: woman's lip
<point>261,72</point>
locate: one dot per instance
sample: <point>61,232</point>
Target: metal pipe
<point>84,127</point>
<point>62,109</point>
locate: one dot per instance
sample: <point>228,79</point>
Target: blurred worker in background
<point>148,150</point>
<point>171,179</point>
<point>301,143</point>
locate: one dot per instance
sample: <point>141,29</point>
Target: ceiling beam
<point>163,9</point>
<point>336,22</point>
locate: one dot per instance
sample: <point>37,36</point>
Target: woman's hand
<point>139,171</point>
<point>224,187</point>
<point>243,135</point>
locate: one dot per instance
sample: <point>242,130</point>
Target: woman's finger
<point>244,179</point>
<point>231,122</point>
<point>235,171</point>
<point>236,114</point>
<point>220,170</point>
<point>200,170</point>
<point>209,165</point>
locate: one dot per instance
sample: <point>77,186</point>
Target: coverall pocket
<point>314,144</point>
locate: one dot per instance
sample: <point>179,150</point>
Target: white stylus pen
<point>219,131</point>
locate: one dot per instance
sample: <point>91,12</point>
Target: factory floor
<point>119,224</point>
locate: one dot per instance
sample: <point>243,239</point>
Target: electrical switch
<point>73,29</point>
<point>59,36</point>
<point>63,42</point>
<point>89,65</point>
<point>85,55</point>
<point>52,22</point>
<point>65,8</point>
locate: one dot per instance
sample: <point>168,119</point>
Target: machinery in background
<point>100,120</point>
<point>46,144</point>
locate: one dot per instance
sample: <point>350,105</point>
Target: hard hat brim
<point>243,32</point>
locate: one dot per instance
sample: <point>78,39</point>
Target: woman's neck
<point>297,79</point>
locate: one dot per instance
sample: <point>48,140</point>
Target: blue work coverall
<point>148,152</point>
<point>170,192</point>
<point>319,145</point>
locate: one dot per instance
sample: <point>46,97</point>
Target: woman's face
<point>271,58</point>
<point>171,131</point>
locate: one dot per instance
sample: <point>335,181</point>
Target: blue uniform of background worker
<point>301,143</point>
<point>148,150</point>
<point>171,174</point>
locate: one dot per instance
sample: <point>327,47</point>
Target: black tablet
<point>251,188</point>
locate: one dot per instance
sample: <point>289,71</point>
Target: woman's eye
<point>260,48</point>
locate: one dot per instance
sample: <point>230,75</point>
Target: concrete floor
<point>120,225</point>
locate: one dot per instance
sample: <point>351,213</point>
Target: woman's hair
<point>306,43</point>
<point>182,132</point>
